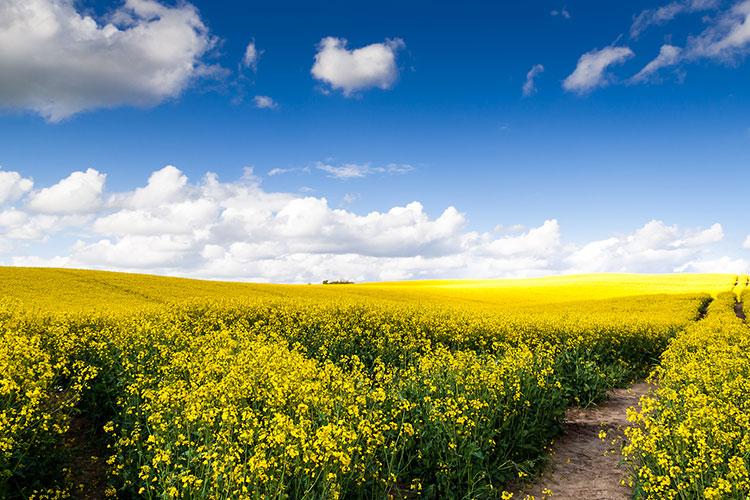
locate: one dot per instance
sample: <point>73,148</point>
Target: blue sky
<point>601,160</point>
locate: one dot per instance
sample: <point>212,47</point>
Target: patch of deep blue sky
<point>601,163</point>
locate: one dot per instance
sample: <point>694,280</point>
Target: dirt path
<point>87,470</point>
<point>583,466</point>
<point>739,311</point>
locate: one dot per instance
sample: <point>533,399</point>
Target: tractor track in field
<point>739,310</point>
<point>581,464</point>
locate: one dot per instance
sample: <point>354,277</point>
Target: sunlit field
<point>132,385</point>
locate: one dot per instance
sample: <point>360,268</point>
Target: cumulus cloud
<point>655,247</point>
<point>591,70</point>
<point>529,87</point>
<point>746,244</point>
<point>210,228</point>
<point>666,13</point>
<point>355,171</point>
<point>669,55</point>
<point>352,70</point>
<point>719,266</point>
<point>164,185</point>
<point>145,53</point>
<point>264,102</point>
<point>13,186</point>
<point>80,192</point>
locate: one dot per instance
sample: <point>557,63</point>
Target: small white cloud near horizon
<point>746,244</point>
<point>591,71</point>
<point>353,70</point>
<point>718,266</point>
<point>145,53</point>
<point>265,102</point>
<point>529,86</point>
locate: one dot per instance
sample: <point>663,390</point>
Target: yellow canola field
<point>692,437</point>
<point>69,290</point>
<point>224,390</point>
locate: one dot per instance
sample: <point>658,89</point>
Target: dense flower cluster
<point>692,438</point>
<point>365,392</point>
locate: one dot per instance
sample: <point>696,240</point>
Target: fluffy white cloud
<point>13,186</point>
<point>137,252</point>
<point>542,241</point>
<point>355,171</point>
<point>655,247</point>
<point>146,53</point>
<point>529,86</point>
<point>669,55</point>
<point>720,265</point>
<point>746,244</point>
<point>80,192</point>
<point>665,13</point>
<point>164,185</point>
<point>19,225</point>
<point>358,69</point>
<point>264,102</point>
<point>238,230</point>
<point>591,71</point>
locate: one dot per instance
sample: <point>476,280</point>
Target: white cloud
<point>664,14</point>
<point>17,224</point>
<point>720,266</point>
<point>746,244</point>
<point>591,71</point>
<point>563,13</point>
<point>529,87</point>
<point>355,171</point>
<point>655,247</point>
<point>669,55</point>
<point>252,56</point>
<point>727,39</point>
<point>279,171</point>
<point>164,185</point>
<point>146,53</point>
<point>349,198</point>
<point>13,186</point>
<point>137,252</point>
<point>358,69</point>
<point>80,192</point>
<point>264,102</point>
<point>238,230</point>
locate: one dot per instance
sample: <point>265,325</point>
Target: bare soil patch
<point>739,311</point>
<point>582,465</point>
